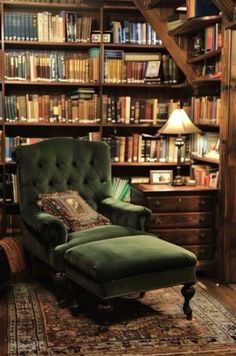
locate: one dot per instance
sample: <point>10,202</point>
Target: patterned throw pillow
<point>71,208</point>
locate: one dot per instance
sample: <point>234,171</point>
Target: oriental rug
<point>154,325</point>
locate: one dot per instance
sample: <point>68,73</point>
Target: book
<point>197,8</point>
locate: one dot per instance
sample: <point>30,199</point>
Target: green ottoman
<point>123,265</point>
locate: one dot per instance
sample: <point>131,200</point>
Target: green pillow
<point>72,209</point>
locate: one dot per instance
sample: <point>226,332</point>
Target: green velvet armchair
<point>109,260</point>
<point>59,164</point>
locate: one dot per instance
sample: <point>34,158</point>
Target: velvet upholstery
<point>61,164</point>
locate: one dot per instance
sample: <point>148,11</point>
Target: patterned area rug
<point>154,325</point>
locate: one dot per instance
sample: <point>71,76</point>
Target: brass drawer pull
<point>202,235</point>
<point>157,203</point>
<point>202,219</point>
<point>202,202</point>
<point>157,221</point>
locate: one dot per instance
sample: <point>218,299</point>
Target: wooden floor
<point>226,294</point>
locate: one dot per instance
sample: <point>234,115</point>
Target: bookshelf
<point>74,69</point>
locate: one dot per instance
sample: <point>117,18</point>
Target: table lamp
<point>178,124</point>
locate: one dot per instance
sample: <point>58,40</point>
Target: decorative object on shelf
<point>161,177</point>
<point>198,46</point>
<point>178,124</point>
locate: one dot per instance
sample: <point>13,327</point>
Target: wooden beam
<point>179,55</point>
<point>227,7</point>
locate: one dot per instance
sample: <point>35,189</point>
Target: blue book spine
<point>6,26</point>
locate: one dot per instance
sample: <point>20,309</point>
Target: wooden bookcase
<point>17,48</point>
<point>191,84</point>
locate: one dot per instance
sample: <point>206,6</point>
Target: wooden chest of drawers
<point>182,215</point>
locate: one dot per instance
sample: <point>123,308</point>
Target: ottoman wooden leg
<point>104,315</point>
<point>188,292</point>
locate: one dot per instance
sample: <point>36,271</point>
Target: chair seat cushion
<point>127,256</point>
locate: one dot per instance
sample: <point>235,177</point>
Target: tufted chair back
<point>59,164</point>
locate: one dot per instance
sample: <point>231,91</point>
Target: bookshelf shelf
<point>51,124</point>
<point>147,164</point>
<point>204,56</point>
<point>134,46</point>
<point>195,25</point>
<point>45,5</point>
<point>145,86</point>
<point>207,160</point>
<point>47,44</point>
<point>207,80</point>
<point>210,126</point>
<point>44,83</point>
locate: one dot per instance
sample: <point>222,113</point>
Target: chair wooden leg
<point>62,289</point>
<point>188,292</point>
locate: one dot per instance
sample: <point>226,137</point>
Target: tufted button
<point>40,165</point>
<point>74,164</point>
<point>50,183</point>
<point>57,165</point>
<point>91,163</point>
<point>85,181</point>
<point>68,182</point>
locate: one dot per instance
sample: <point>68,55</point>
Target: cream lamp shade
<point>178,123</point>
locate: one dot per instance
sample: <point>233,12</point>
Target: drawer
<point>180,203</point>
<point>202,252</point>
<point>184,220</point>
<point>185,236</point>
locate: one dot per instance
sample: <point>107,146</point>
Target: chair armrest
<point>47,228</point>
<point>125,214</point>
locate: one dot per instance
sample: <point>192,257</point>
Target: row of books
<point>205,175</point>
<point>53,66</point>
<point>52,108</point>
<point>206,145</point>
<point>130,110</point>
<point>12,142</point>
<point>121,189</point>
<point>206,110</point>
<point>46,26</point>
<point>133,148</point>
<point>134,32</point>
<point>136,148</point>
<point>212,38</point>
<point>211,68</point>
<point>139,67</point>
<point>83,105</point>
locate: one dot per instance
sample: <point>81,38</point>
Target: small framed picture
<point>96,37</point>
<point>161,177</point>
<point>152,70</point>
<point>107,37</point>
